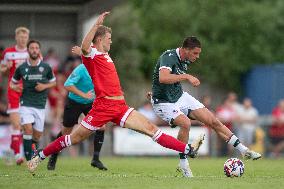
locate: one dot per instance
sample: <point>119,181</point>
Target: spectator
<point>232,97</point>
<point>56,99</point>
<point>276,131</point>
<point>248,116</point>
<point>1,51</point>
<point>4,117</point>
<point>226,114</point>
<point>206,101</point>
<point>149,113</point>
<point>68,65</point>
<point>52,59</point>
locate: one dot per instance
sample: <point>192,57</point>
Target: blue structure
<point>264,84</point>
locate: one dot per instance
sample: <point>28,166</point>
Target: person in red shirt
<point>109,105</point>
<point>276,131</point>
<point>227,115</point>
<point>12,58</point>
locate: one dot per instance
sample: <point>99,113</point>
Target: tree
<point>235,35</point>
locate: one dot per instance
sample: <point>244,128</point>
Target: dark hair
<point>191,42</point>
<point>101,31</point>
<point>33,41</point>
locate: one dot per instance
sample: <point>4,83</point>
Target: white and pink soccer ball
<point>234,167</point>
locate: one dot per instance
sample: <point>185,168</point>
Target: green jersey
<point>163,93</point>
<point>31,75</point>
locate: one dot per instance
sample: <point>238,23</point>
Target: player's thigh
<point>182,121</point>
<point>141,124</point>
<point>39,116</point>
<point>167,111</point>
<point>205,116</point>
<point>27,118</point>
<point>188,103</point>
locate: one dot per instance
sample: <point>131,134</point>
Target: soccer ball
<point>234,167</point>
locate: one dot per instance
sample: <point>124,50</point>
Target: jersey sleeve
<point>92,53</point>
<point>87,59</point>
<point>74,77</point>
<point>50,75</point>
<point>17,75</point>
<point>167,61</point>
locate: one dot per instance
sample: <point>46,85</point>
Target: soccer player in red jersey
<point>12,58</point>
<point>109,105</point>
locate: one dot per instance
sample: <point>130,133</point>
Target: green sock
<point>28,146</point>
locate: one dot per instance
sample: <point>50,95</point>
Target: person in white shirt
<point>248,117</point>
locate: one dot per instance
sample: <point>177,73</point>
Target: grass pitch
<point>146,173</point>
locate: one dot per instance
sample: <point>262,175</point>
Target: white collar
<point>20,50</point>
<point>39,61</point>
<point>177,51</point>
<point>98,52</point>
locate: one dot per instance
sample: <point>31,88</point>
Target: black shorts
<point>73,110</point>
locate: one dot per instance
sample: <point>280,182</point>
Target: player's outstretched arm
<point>87,41</point>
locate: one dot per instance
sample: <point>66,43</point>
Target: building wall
<point>53,30</point>
<point>264,85</point>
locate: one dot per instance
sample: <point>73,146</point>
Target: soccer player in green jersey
<point>175,106</point>
<point>37,77</point>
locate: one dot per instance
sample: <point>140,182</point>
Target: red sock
<point>16,141</point>
<point>171,143</point>
<point>57,145</point>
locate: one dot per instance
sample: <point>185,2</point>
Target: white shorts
<point>34,116</point>
<point>170,111</point>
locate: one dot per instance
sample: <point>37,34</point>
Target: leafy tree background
<point>235,35</point>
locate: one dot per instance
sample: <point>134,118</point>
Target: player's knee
<point>28,131</point>
<point>185,126</point>
<point>16,125</point>
<point>36,138</point>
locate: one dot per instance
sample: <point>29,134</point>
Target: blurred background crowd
<point>242,40</point>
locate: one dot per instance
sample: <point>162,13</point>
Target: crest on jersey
<point>89,119</point>
<point>41,69</point>
<point>26,69</point>
<point>175,111</point>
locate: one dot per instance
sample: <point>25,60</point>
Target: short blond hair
<point>101,31</point>
<point>22,29</point>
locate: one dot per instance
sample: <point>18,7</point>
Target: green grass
<point>146,173</point>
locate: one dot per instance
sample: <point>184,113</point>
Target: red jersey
<point>16,56</point>
<point>277,129</point>
<point>103,73</point>
<point>227,115</point>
